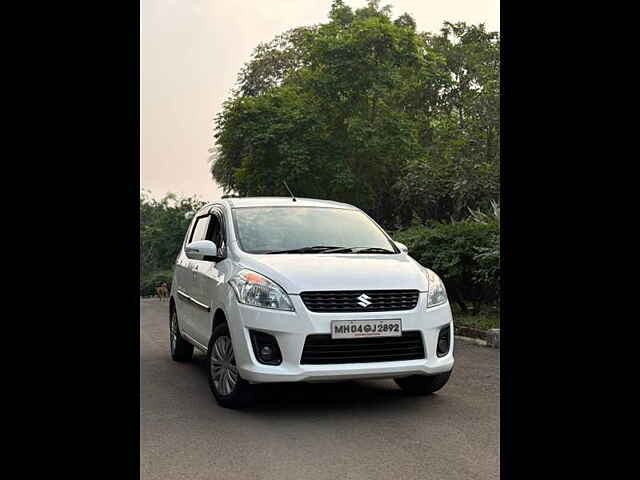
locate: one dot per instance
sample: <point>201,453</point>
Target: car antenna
<point>290,192</point>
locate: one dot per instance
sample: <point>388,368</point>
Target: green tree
<point>367,110</point>
<point>461,164</point>
<point>163,224</point>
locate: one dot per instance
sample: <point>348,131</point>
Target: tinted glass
<point>215,231</point>
<point>265,229</point>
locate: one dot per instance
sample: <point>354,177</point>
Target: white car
<point>277,289</point>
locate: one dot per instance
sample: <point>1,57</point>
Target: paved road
<point>351,430</point>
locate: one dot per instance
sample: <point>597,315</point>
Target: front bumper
<point>292,328</point>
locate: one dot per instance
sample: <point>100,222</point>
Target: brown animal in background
<point>162,291</point>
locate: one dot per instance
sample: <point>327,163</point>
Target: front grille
<point>350,300</point>
<point>322,349</point>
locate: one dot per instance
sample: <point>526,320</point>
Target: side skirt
<point>195,343</point>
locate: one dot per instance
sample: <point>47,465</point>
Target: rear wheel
<point>181,350</point>
<point>230,390</point>
<point>423,384</point>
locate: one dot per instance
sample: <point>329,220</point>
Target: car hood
<point>297,273</point>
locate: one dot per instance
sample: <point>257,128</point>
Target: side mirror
<point>201,249</point>
<point>403,248</point>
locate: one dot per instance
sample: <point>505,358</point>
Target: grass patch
<point>486,319</point>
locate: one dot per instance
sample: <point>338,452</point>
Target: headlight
<point>437,294</point>
<point>254,289</point>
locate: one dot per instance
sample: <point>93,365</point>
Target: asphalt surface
<point>350,430</point>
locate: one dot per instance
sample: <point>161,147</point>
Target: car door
<point>182,272</point>
<point>188,288</point>
<point>210,274</point>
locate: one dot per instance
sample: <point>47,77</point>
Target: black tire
<point>181,350</point>
<point>239,395</point>
<point>423,384</point>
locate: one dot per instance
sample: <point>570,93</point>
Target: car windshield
<point>281,229</point>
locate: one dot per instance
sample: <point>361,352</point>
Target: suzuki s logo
<point>364,300</point>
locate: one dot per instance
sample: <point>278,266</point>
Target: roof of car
<point>283,201</point>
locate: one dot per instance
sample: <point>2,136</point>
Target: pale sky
<point>191,52</point>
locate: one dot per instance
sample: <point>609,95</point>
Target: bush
<point>463,254</point>
<point>488,272</point>
<point>149,282</point>
<point>163,224</point>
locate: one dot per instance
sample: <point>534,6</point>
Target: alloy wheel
<point>223,366</point>
<point>173,326</point>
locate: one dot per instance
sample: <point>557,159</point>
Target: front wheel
<point>230,390</point>
<point>181,350</point>
<point>423,384</point>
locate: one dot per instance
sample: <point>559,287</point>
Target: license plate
<point>366,328</point>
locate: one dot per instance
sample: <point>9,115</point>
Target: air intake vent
<point>322,350</point>
<point>360,300</point>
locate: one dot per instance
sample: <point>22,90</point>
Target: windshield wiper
<point>370,250</point>
<point>333,249</point>
<point>314,249</point>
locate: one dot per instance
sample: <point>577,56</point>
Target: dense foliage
<point>464,256</point>
<point>367,110</point>
<point>163,224</point>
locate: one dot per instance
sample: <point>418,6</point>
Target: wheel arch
<point>219,317</point>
